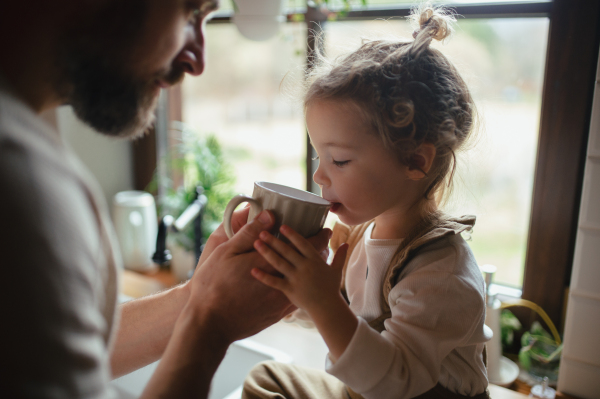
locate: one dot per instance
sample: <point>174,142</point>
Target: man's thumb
<point>339,258</point>
<point>243,240</point>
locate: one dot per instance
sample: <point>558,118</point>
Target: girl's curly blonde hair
<point>409,92</point>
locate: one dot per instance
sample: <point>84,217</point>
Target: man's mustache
<point>174,76</point>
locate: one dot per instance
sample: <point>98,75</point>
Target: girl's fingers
<point>339,259</point>
<point>279,263</point>
<point>299,242</point>
<point>268,279</point>
<point>283,249</point>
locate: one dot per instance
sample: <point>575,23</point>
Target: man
<point>60,336</point>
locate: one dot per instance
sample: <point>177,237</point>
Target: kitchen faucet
<point>193,213</point>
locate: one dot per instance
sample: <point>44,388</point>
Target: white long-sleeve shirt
<point>436,332</point>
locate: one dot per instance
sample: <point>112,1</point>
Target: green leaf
<point>199,159</point>
<point>524,359</point>
<point>508,324</point>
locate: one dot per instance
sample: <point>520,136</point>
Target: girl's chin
<point>345,218</point>
<point>350,220</point>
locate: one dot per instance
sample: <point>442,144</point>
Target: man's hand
<point>218,237</point>
<point>223,285</point>
<point>225,304</point>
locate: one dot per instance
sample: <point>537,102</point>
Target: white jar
<point>134,217</point>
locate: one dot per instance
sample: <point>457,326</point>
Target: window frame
<point>569,80</point>
<point>550,246</point>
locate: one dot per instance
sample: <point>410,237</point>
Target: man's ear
<point>421,161</point>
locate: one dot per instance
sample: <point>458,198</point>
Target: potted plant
<point>198,159</point>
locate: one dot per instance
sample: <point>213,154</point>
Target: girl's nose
<point>320,177</point>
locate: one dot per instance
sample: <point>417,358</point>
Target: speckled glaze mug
<point>303,211</point>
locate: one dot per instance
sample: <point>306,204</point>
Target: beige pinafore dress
<point>431,229</point>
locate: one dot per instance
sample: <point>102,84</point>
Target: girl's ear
<point>421,161</point>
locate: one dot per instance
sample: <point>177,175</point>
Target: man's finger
<point>239,218</point>
<point>320,240</point>
<point>243,240</point>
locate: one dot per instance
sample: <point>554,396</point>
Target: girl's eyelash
<point>336,163</point>
<point>340,163</point>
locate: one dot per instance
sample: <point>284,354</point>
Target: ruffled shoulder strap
<point>432,228</point>
<point>351,235</point>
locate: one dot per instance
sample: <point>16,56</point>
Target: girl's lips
<point>335,206</point>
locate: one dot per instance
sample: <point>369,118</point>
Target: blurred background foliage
<point>198,160</point>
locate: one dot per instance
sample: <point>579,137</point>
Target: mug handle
<point>235,201</point>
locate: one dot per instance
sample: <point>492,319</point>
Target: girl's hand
<point>308,281</point>
<point>311,284</point>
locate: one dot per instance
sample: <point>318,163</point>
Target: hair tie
<point>420,28</point>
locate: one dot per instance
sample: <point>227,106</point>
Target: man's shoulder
<point>20,123</point>
<point>31,151</point>
<point>30,168</point>
<point>42,188</point>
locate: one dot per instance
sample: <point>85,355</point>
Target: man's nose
<point>191,56</point>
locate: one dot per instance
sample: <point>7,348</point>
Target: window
<point>573,39</point>
<point>494,178</point>
<point>570,59</point>
<point>258,124</point>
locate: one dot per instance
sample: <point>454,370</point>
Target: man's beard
<point>106,97</point>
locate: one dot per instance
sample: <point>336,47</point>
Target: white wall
<point>580,365</point>
<point>108,159</point>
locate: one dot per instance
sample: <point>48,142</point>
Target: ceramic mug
<point>303,211</point>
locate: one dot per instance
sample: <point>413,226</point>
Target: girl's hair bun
<point>433,23</point>
<point>407,92</point>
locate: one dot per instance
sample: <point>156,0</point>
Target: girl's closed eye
<point>340,163</point>
<point>336,163</point>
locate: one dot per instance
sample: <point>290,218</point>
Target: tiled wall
<point>580,365</point>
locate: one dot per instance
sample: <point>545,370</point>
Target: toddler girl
<point>386,122</point>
